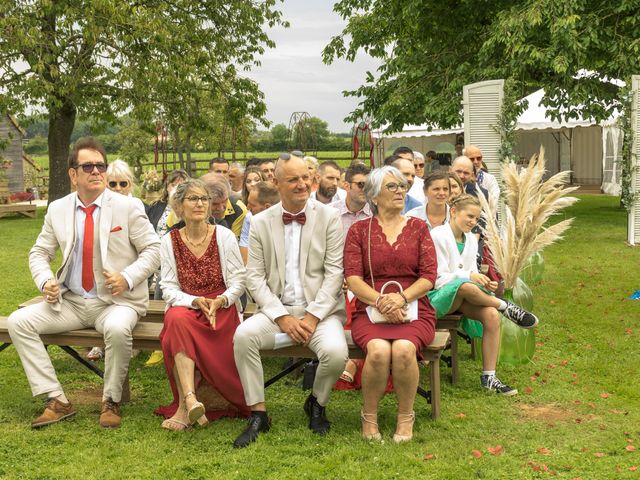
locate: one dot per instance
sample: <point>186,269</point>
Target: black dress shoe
<point>258,423</point>
<point>318,422</point>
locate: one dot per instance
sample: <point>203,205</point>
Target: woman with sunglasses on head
<point>391,324</point>
<point>203,278</point>
<point>435,212</point>
<point>119,180</point>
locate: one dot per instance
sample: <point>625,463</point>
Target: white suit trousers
<point>115,322</point>
<point>258,333</point>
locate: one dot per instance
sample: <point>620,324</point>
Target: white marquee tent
<point>588,148</point>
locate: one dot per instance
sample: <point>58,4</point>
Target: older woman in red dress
<point>202,279</point>
<point>390,247</point>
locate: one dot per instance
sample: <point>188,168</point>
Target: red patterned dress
<point>412,256</point>
<point>188,331</point>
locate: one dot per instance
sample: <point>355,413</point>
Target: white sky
<point>292,75</point>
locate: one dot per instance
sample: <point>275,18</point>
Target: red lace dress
<point>412,256</point>
<point>188,331</point>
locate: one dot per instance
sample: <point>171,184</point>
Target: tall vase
<point>517,345</point>
<point>534,269</point>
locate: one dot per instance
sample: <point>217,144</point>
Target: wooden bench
<point>21,209</point>
<point>450,323</point>
<point>145,337</point>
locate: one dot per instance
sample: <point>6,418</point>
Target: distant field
<point>343,158</point>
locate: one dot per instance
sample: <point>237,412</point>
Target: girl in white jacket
<point>460,288</point>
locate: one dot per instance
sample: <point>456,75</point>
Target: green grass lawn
<point>576,416</point>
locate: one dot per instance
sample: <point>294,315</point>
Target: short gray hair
<point>373,185</point>
<point>180,193</point>
<point>217,185</point>
<point>120,168</point>
<point>417,155</point>
<point>237,165</point>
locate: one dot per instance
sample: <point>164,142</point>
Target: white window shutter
<point>482,104</point>
<point>634,215</point>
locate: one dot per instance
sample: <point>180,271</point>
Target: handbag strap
<point>369,253</point>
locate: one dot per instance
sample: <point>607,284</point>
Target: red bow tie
<point>287,218</point>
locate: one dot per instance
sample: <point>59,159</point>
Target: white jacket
<point>233,271</point>
<point>452,264</point>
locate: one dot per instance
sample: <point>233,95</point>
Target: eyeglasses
<point>475,158</point>
<point>196,199</point>
<point>123,184</point>
<point>88,167</point>
<point>419,165</point>
<point>393,187</point>
<point>360,185</point>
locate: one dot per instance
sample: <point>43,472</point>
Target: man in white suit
<point>294,274</point>
<point>109,249</point>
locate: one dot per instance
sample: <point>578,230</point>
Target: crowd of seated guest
<point>310,244</point>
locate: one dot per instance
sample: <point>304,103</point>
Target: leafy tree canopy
<point>99,58</point>
<point>430,49</point>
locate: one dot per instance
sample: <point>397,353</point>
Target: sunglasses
<point>196,199</point>
<point>419,165</point>
<point>393,187</point>
<point>88,167</point>
<point>360,185</point>
<point>123,184</point>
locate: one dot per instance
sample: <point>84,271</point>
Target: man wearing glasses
<point>354,207</point>
<point>484,179</point>
<point>109,249</point>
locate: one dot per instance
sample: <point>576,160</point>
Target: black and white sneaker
<point>520,316</point>
<point>493,383</point>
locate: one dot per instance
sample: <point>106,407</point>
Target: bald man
<point>464,169</point>
<point>484,179</point>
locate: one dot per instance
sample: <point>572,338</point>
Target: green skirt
<point>442,301</point>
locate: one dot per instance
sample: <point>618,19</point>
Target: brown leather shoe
<point>54,411</point>
<point>110,417</point>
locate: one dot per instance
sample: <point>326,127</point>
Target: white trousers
<point>258,333</point>
<point>115,322</point>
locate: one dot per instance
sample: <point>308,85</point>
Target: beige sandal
<point>372,419</point>
<point>404,418</point>
<point>196,412</point>
<point>175,425</point>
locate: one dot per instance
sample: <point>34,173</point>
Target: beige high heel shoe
<point>366,418</point>
<point>404,418</point>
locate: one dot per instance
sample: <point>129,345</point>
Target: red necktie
<point>287,218</point>
<point>87,249</point>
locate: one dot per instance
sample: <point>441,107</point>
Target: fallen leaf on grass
<point>429,456</point>
<point>552,302</point>
<point>551,365</point>
<point>528,390</point>
<point>629,440</point>
<point>539,468</point>
<point>544,451</point>
<point>577,402</point>
<point>628,331</point>
<point>599,454</point>
<point>476,453</point>
<point>633,469</point>
<point>564,363</point>
<point>630,448</point>
<point>497,450</point>
<point>604,395</point>
<point>461,415</point>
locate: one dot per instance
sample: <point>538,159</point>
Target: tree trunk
<point>61,123</point>
<point>187,147</point>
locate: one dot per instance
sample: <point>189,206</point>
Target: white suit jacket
<point>321,269</point>
<point>451,264</point>
<point>127,242</point>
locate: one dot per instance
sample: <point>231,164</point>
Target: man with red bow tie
<point>109,249</point>
<point>294,274</point>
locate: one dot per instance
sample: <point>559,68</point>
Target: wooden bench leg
<point>126,390</point>
<point>435,388</point>
<point>455,372</point>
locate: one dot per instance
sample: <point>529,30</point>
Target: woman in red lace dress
<point>202,279</point>
<point>386,247</point>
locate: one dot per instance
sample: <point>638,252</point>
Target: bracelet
<point>225,302</point>
<point>406,302</point>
